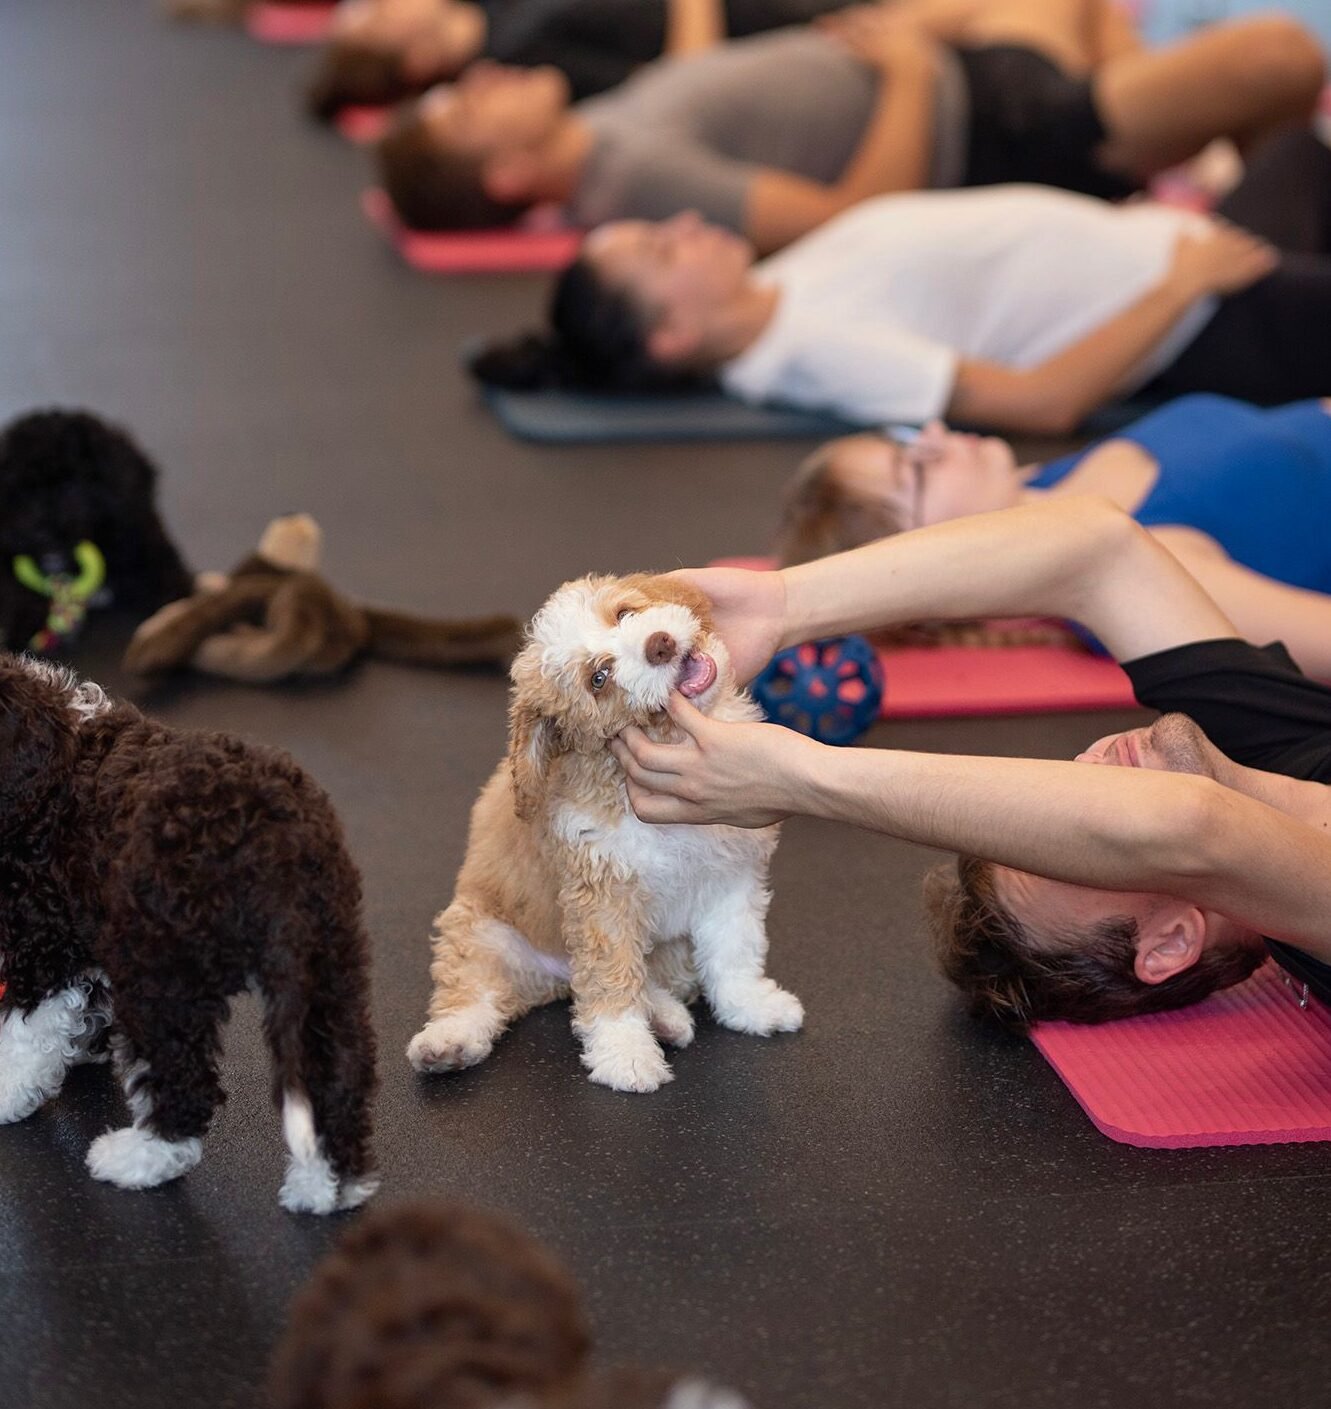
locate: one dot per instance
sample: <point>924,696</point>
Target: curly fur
<point>147,875</point>
<point>67,476</point>
<point>564,891</point>
<point>432,1305</point>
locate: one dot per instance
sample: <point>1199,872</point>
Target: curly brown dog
<point>434,1305</point>
<point>147,875</point>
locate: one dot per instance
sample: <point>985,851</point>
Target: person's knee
<point>1277,56</point>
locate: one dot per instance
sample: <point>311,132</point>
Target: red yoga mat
<point>1247,1066</point>
<point>935,682</point>
<point>289,24</point>
<point>527,249</point>
<point>363,123</point>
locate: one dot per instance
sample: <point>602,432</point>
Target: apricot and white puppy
<point>563,890</point>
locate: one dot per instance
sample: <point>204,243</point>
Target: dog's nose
<point>660,648</point>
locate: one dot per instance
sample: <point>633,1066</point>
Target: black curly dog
<point>67,477</point>
<point>147,875</point>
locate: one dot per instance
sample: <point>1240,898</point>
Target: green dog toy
<point>69,595</point>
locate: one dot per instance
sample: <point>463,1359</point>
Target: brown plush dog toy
<point>274,618</point>
<point>436,1305</point>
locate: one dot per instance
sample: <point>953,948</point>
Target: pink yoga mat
<point>363,123</point>
<point>934,682</point>
<point>1247,1066</point>
<point>289,24</point>
<point>528,249</point>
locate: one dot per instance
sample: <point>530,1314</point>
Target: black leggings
<point>1272,342</point>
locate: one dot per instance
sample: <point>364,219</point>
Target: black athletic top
<point>1257,706</point>
<point>599,43</point>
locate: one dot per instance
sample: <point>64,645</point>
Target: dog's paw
<point>621,1053</point>
<point>20,1099</point>
<point>134,1158</point>
<point>671,1020</point>
<point>450,1043</point>
<point>759,1008</point>
<point>351,1193</point>
<point>310,1186</point>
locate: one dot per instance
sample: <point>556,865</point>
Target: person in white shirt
<point>1017,307</point>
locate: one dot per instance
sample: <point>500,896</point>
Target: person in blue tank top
<point>1241,495</point>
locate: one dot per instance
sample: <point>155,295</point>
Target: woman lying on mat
<point>1083,892</point>
<point>774,134</point>
<point>1016,307</point>
<point>1240,496</point>
<point>385,50</point>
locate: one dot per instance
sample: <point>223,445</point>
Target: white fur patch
<point>311,1184</point>
<point>621,1053</point>
<point>458,1039</point>
<point>37,1049</point>
<point>134,1158</point>
<point>86,698</point>
<point>698,1394</point>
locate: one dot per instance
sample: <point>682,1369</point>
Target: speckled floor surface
<point>889,1209</point>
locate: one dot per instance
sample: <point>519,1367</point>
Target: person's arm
<point>1057,395</point>
<point>894,154</point>
<point>694,25</point>
<point>1061,555</point>
<point>1125,829</point>
<point>1114,32</point>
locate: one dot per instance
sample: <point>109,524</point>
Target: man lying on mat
<point>774,134</point>
<point>1082,892</point>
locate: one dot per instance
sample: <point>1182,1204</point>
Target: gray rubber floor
<point>891,1208</point>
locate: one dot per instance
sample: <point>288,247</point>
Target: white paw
<point>354,1192</point>
<point>621,1053</point>
<point>671,1020</point>
<point>134,1158</point>
<point>19,1099</point>
<point>452,1042</point>
<point>310,1186</point>
<point>759,1008</point>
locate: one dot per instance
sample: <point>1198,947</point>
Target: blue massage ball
<point>831,690</point>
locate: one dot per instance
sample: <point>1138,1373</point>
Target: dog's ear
<point>534,741</point>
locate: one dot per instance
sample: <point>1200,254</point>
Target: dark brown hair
<point>596,341</point>
<point>1086,977</point>
<point>438,188</point>
<point>349,75</point>
<point>426,1305</point>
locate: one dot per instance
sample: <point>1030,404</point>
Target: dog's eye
<point>599,678</point>
<point>622,613</point>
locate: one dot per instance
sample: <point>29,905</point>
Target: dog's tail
<point>487,640</point>
<point>317,1021</point>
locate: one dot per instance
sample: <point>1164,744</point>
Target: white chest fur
<point>680,871</point>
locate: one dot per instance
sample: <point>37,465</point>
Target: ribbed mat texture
<point>1248,1066</point>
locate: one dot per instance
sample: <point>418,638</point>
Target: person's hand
<point>742,775</point>
<point>881,37</point>
<point>1223,261</point>
<point>749,609</point>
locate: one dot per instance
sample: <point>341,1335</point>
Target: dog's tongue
<point>697,674</point>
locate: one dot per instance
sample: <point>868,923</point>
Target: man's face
<point>1173,744</point>
<point>493,109</point>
